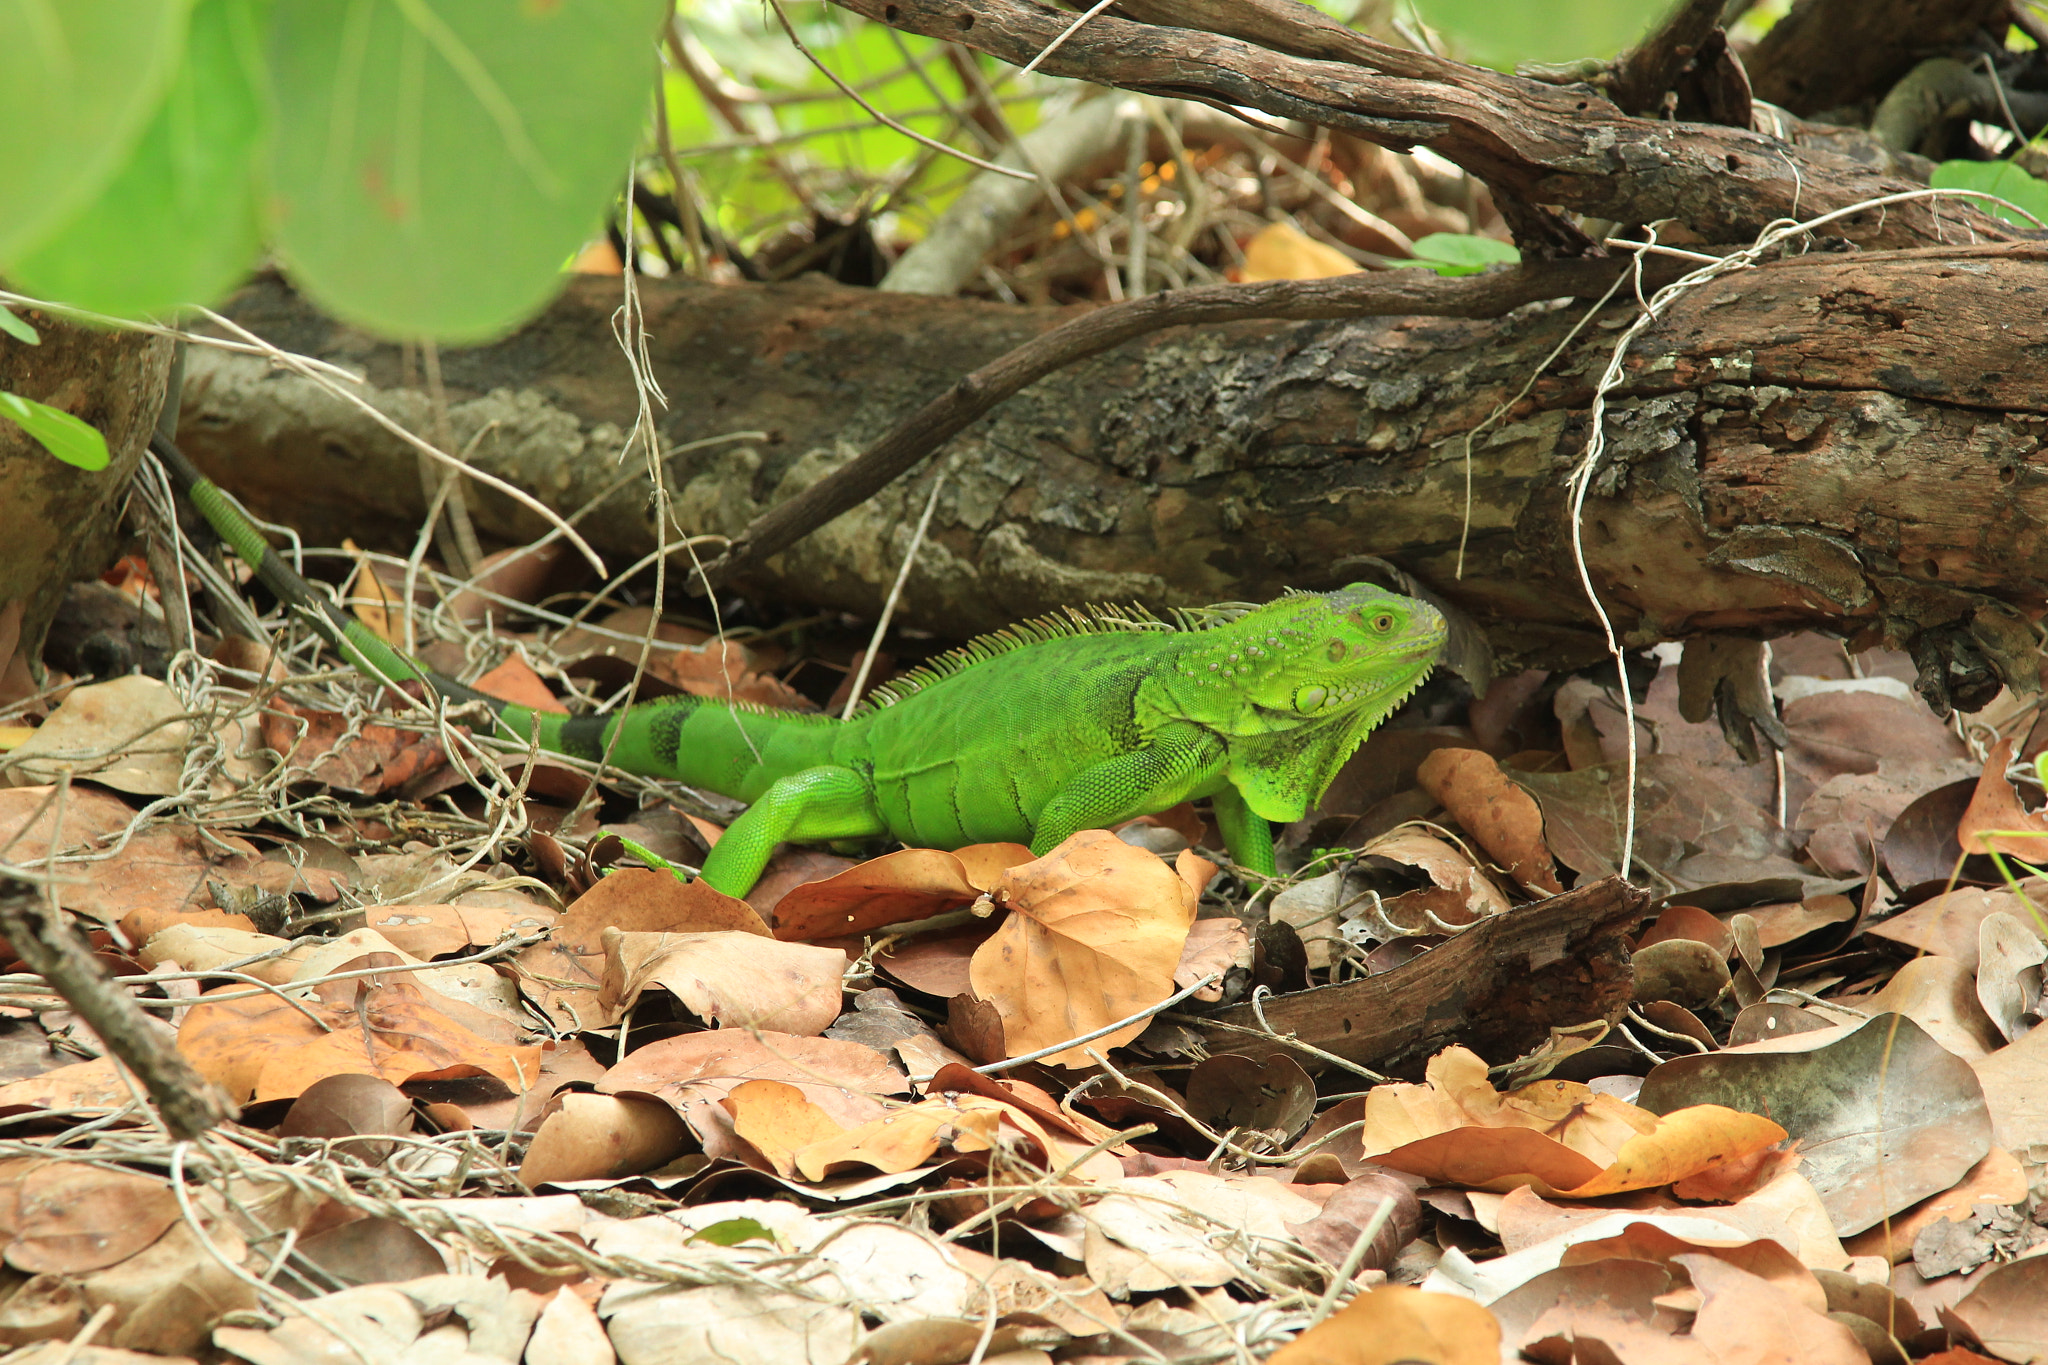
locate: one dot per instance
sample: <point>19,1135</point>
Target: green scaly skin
<point>1067,723</point>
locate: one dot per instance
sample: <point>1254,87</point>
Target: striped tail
<point>350,637</point>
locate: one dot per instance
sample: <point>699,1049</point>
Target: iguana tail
<point>738,750</point>
<point>356,643</point>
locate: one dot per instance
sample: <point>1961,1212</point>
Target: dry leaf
<point>1395,1324</point>
<point>1556,1136</point>
<point>127,734</point>
<point>907,1138</point>
<point>1094,933</point>
<point>1501,817</point>
<point>1281,251</point>
<point>1995,821</point>
<point>730,979</point>
<point>911,883</point>
<point>1461,893</point>
<point>263,1047</point>
<point>602,1137</point>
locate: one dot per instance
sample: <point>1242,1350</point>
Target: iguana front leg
<point>1177,762</point>
<point>817,804</point>
<point>1249,837</point>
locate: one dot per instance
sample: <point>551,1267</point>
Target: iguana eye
<point>1337,651</point>
<point>1383,622</point>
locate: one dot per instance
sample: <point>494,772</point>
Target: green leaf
<point>1500,35</point>
<point>178,223</point>
<point>78,79</point>
<point>2001,178</point>
<point>732,1231</point>
<point>436,161</point>
<point>65,436</point>
<point>17,328</point>
<point>1456,253</point>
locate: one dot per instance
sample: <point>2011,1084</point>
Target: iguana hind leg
<point>817,804</point>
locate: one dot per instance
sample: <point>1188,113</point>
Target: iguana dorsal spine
<point>1071,721</point>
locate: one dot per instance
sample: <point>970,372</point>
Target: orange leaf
<point>1281,251</point>
<point>515,681</point>
<point>1500,816</point>
<point>911,883</point>
<point>1995,821</point>
<point>1394,1324</point>
<point>1095,930</point>
<point>779,1120</point>
<point>905,1139</point>
<point>265,1048</point>
<point>1555,1136</point>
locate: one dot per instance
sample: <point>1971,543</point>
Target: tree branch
<point>1555,145</point>
<point>1396,293</point>
<point>188,1102</point>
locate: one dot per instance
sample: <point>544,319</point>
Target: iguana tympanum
<point>1070,722</point>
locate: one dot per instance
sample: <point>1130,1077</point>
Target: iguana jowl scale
<point>1070,722</point>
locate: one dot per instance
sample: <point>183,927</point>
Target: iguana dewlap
<point>1070,722</point>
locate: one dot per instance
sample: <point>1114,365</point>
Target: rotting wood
<point>1499,988</point>
<point>1839,442</point>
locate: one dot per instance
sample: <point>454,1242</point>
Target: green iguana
<point>1069,722</point>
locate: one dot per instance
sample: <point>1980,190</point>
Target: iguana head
<point>1295,686</point>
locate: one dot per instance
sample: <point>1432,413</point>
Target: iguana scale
<point>1069,722</point>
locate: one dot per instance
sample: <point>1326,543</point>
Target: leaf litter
<point>516,1098</point>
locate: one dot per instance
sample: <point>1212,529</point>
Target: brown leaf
<point>1874,1144</point>
<point>1095,930</point>
<point>730,979</point>
<point>602,1137</point>
<point>1215,947</point>
<point>2007,1312</point>
<point>911,883</point>
<point>643,900</point>
<point>367,761</point>
<point>936,964</point>
<point>1501,817</point>
<point>1461,893</point>
<point>1395,1324</point>
<point>567,973</point>
<point>515,681</point>
<point>68,1217</point>
<point>1351,1208</point>
<point>431,931</point>
<point>905,1139</point>
<point>128,734</point>
<point>350,1105</point>
<point>1556,1136</point>
<point>1995,821</point>
<point>1689,922</point>
<point>1997,1179</point>
<point>699,1069</point>
<point>264,1048</point>
<point>1948,925</point>
<point>1747,1318</point>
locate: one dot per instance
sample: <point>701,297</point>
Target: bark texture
<point>1826,54</point>
<point>61,520</point>
<point>1499,987</point>
<point>1842,442</point>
